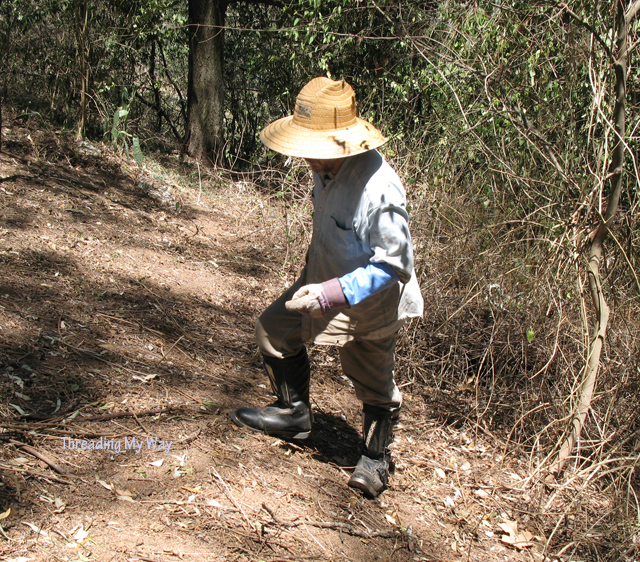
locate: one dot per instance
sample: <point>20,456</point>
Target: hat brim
<point>288,138</point>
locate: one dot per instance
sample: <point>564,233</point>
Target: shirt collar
<point>325,179</point>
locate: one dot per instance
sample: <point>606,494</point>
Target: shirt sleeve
<point>383,224</point>
<point>366,281</point>
<point>389,239</point>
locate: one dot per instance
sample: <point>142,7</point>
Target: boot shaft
<point>289,377</point>
<point>377,431</point>
<point>371,475</point>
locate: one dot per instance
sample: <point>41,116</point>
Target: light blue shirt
<point>361,236</point>
<point>367,281</point>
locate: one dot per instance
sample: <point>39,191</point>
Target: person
<point>358,286</point>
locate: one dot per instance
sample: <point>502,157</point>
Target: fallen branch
<point>335,525</point>
<point>132,414</point>
<point>36,473</point>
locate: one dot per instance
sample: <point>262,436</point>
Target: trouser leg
<point>278,330</point>
<point>370,366</point>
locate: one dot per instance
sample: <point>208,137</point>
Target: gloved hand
<point>305,300</point>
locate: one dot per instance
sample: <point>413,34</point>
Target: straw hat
<point>324,124</point>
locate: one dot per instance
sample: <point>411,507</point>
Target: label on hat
<point>304,110</point>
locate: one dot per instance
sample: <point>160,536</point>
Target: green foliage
<point>42,57</point>
<point>118,136</point>
<point>137,151</point>
<point>530,334</point>
<point>119,119</point>
<point>367,47</point>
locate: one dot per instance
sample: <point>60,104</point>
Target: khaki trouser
<point>368,363</point>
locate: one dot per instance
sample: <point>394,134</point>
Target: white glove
<point>305,300</point>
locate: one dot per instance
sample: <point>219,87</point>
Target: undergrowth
<point>503,341</point>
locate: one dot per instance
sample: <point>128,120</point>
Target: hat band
<point>323,118</point>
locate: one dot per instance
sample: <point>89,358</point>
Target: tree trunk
<point>83,56</point>
<point>157,106</point>
<point>205,92</point>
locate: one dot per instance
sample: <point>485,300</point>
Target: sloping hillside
<point>127,304</point>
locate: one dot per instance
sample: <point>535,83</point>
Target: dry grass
<point>503,343</point>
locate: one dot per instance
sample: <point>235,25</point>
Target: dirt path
<point>127,304</point>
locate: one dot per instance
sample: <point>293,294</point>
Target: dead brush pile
<point>503,345</point>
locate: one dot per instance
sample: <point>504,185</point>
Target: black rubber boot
<point>289,417</point>
<point>371,475</point>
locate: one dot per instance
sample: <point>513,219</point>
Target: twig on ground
<point>227,490</point>
<point>156,332</point>
<point>188,438</point>
<point>164,355</point>
<point>185,394</point>
<point>95,355</point>
<point>34,452</point>
<point>186,503</point>
<point>140,423</point>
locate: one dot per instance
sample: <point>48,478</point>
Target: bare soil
<point>127,304</point>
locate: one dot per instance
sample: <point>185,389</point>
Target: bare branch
<point>632,12</point>
<point>596,248</point>
<point>577,19</point>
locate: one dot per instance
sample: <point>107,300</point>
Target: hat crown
<point>324,124</point>
<point>326,105</point>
